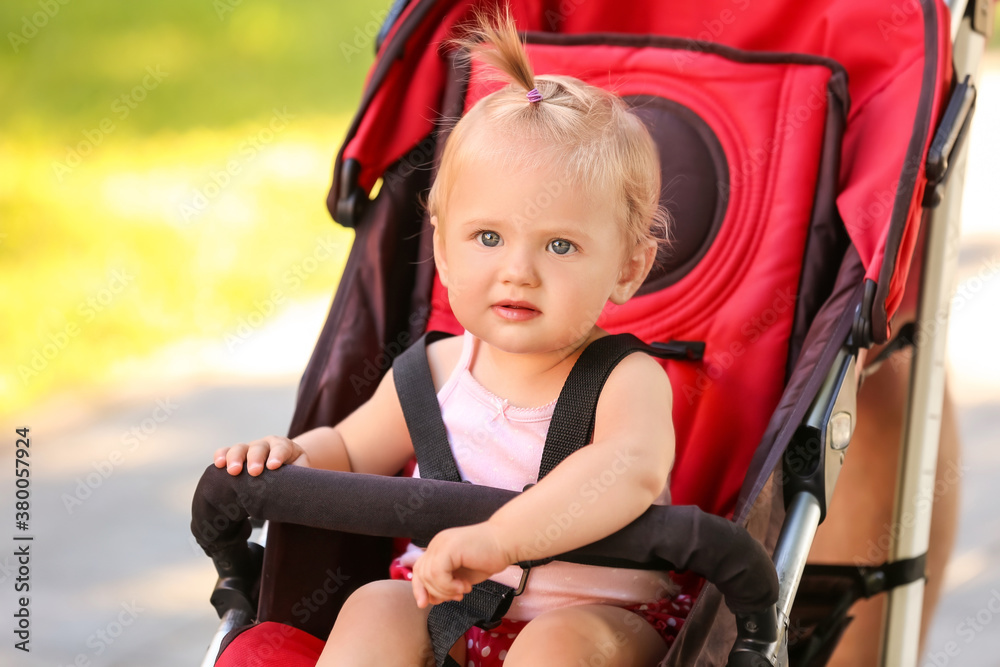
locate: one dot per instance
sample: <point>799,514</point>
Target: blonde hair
<point>604,147</point>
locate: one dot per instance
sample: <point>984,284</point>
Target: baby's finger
<point>450,588</point>
<point>282,450</point>
<point>257,454</point>
<point>434,597</point>
<point>235,457</point>
<point>302,460</point>
<point>459,590</point>
<point>419,592</point>
<point>220,457</point>
<point>440,588</point>
<point>424,583</point>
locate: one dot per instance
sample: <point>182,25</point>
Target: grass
<point>227,63</point>
<point>118,260</point>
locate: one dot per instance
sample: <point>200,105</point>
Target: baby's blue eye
<point>489,239</point>
<point>561,246</point>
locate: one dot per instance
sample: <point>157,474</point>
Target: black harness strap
<point>828,592</point>
<point>901,572</point>
<point>484,606</point>
<point>870,580</point>
<point>572,424</point>
<point>571,428</point>
<point>415,387</point>
<point>904,338</point>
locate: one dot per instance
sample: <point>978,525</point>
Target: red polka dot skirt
<point>488,648</point>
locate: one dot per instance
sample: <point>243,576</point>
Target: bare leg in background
<point>858,524</point>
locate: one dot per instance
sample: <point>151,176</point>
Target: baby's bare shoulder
<point>639,365</point>
<point>637,385</point>
<point>442,356</point>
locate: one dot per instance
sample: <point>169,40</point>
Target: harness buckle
<point>526,566</point>
<point>525,571</point>
<point>508,598</point>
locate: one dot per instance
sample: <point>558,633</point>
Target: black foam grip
<point>663,538</point>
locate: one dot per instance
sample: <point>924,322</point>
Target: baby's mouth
<point>516,310</point>
<point>516,305</point>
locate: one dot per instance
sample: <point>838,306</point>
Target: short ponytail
<point>494,41</point>
<point>587,131</point>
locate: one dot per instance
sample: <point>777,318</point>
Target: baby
<point>545,207</point>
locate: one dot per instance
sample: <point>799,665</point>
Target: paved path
<point>116,579</point>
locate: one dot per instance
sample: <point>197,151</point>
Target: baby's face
<point>528,259</point>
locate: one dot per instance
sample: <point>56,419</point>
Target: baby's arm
<point>372,439</point>
<point>593,493</point>
<point>609,483</point>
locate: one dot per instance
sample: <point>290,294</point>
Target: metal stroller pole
<point>918,456</point>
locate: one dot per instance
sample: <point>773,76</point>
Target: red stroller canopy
<point>895,56</point>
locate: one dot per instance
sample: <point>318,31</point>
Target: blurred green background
<point>163,169</point>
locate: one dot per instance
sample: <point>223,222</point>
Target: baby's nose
<point>519,268</point>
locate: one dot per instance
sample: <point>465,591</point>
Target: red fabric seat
<point>770,117</point>
<point>272,645</point>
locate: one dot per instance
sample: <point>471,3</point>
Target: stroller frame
<point>831,416</point>
<point>918,455</point>
<point>922,421</point>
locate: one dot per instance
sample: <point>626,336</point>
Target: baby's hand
<point>456,559</point>
<point>274,450</point>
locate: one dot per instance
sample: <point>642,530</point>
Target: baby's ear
<point>439,260</point>
<point>634,271</point>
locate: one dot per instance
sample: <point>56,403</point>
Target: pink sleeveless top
<point>500,445</point>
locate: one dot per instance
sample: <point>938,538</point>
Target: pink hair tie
<point>534,96</point>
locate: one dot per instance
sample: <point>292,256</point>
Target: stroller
<point>804,147</point>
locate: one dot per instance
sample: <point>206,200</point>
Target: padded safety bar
<point>663,538</point>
